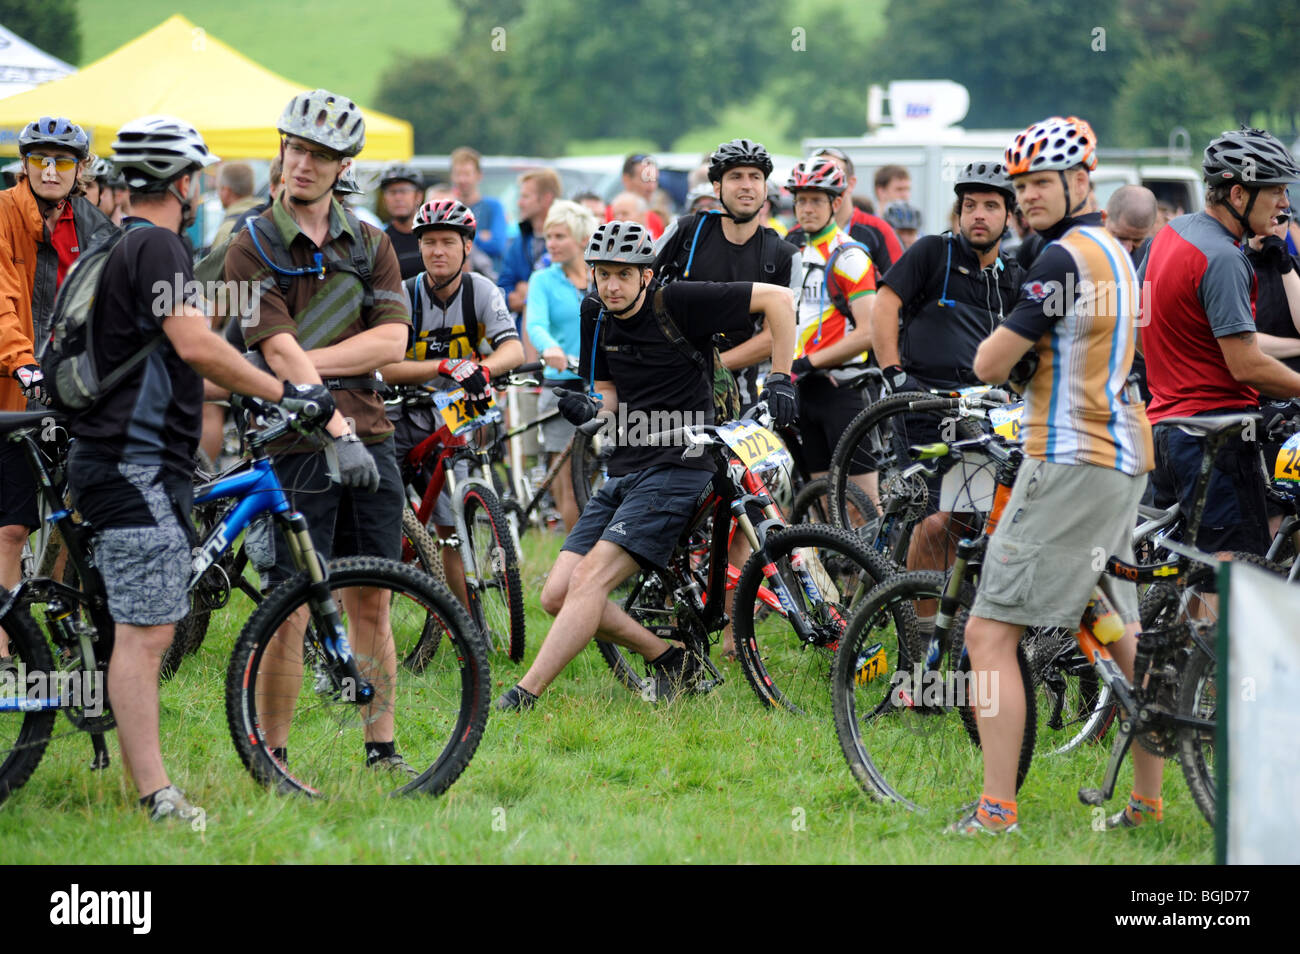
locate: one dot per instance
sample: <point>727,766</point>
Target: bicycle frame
<point>259,491</point>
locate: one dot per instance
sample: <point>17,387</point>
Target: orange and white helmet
<point>1053,145</point>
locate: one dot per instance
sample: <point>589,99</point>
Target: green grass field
<point>594,775</point>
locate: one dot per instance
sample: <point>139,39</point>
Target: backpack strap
<point>412,287</point>
<point>361,265</point>
<point>269,234</point>
<point>468,311</point>
<point>676,339</point>
<point>833,292</point>
<point>153,344</point>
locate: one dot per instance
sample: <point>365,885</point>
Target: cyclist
<point>733,246</point>
<point>892,184</point>
<point>44,224</point>
<point>130,469</point>
<point>634,520</point>
<point>402,188</point>
<point>95,186</point>
<point>1087,443</point>
<point>769,215</point>
<point>837,291</point>
<point>1200,343</point>
<point>871,230</point>
<point>340,327</point>
<point>935,306</point>
<point>455,314</point>
<point>554,301</point>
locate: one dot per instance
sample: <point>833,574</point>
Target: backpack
<point>833,292</point>
<point>721,382</point>
<point>68,361</point>
<point>265,234</point>
<point>467,309</point>
<point>674,260</point>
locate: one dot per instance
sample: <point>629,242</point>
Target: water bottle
<point>1101,618</point>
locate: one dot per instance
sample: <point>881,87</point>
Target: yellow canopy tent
<point>179,70</point>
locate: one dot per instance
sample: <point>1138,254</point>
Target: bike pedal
<point>1092,796</point>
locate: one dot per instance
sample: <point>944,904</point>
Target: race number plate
<point>458,415</point>
<point>1006,420</point>
<point>1288,460</point>
<point>758,448</point>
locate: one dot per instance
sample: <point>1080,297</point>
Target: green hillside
<point>345,47</point>
<point>338,44</point>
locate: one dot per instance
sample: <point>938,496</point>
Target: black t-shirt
<point>1272,310</point>
<point>718,260</point>
<point>937,343</point>
<point>155,415</point>
<point>407,247</point>
<point>651,375</point>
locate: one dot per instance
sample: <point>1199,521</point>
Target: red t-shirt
<point>64,240</point>
<point>884,228</point>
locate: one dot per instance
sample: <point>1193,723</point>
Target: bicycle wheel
<point>1074,706</point>
<point>496,595</point>
<point>906,728</point>
<point>812,505</point>
<point>281,693</point>
<point>647,600</point>
<point>785,670</point>
<point>587,465</point>
<point>879,439</point>
<point>419,548</point>
<point>24,734</point>
<point>1198,698</point>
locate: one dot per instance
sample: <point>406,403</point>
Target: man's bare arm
<point>1249,365</point>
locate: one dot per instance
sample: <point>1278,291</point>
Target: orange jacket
<point>21,229</point>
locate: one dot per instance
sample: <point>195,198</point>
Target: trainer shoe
<point>675,672</point>
<point>392,763</point>
<point>168,804</point>
<point>1136,814</point>
<point>515,699</point>
<point>972,824</point>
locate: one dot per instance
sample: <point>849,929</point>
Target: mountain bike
<point>909,744</point>
<point>309,675</point>
<point>493,592</point>
<point>792,599</point>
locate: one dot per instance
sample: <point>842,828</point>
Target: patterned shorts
<point>142,548</point>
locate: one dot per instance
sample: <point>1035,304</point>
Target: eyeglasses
<point>319,156</point>
<point>61,163</point>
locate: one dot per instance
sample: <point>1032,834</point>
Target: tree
<point>52,25</point>
<point>651,68</point>
<point>1022,60</point>
<point>820,81</point>
<point>1167,91</point>
<point>1253,51</point>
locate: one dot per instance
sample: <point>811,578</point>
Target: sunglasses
<point>61,163</point>
<point>834,153</point>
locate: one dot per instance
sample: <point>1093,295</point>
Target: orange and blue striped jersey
<point>1079,305</point>
<point>819,323</point>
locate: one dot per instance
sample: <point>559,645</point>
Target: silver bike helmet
<point>152,151</point>
<point>328,120</point>
<point>621,242</point>
<point>54,131</point>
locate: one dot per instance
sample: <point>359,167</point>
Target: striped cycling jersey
<point>819,323</point>
<point>1079,305</point>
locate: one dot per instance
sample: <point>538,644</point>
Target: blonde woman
<point>554,296</point>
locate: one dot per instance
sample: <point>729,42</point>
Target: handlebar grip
<point>591,427</point>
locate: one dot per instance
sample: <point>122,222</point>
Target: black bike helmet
<point>1250,157</point>
<point>739,152</point>
<point>902,216</point>
<point>985,176</point>
<point>622,243</point>
<point>399,172</point>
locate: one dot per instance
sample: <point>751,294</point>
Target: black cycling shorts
<point>825,412</point>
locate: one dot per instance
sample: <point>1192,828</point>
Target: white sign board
<point>1263,712</point>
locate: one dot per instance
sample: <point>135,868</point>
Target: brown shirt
<point>320,312</point>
